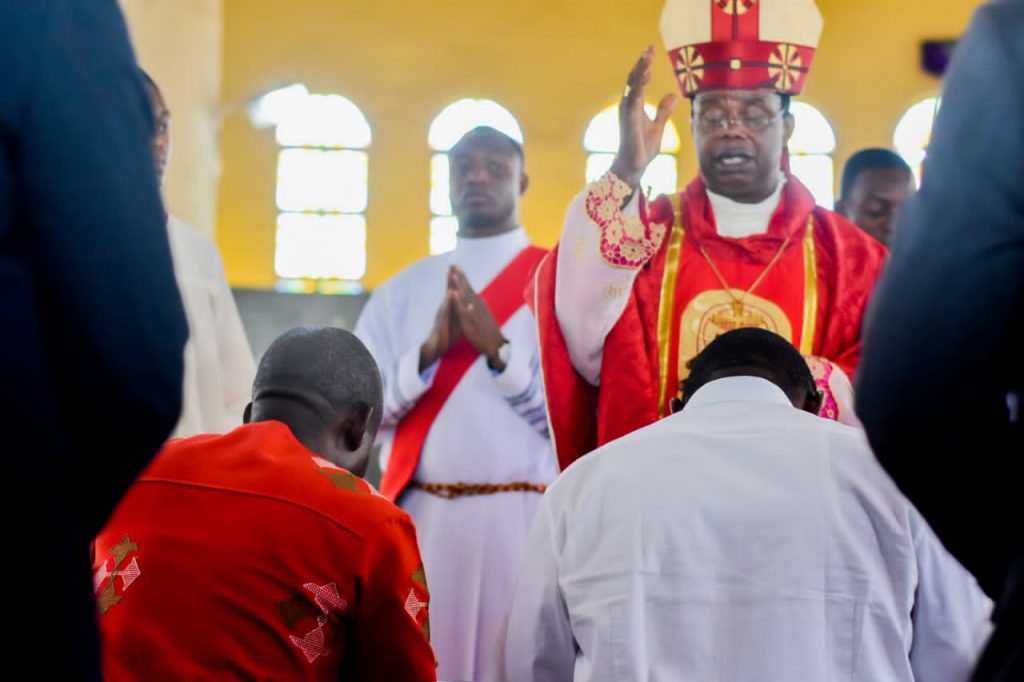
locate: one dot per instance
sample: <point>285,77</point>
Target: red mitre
<point>741,44</point>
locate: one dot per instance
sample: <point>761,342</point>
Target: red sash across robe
<point>503,296</point>
<point>837,263</point>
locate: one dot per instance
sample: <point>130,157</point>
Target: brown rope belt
<point>450,491</point>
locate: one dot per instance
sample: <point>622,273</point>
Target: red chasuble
<point>245,556</point>
<point>816,272</point>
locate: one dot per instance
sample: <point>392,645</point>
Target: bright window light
<point>601,139</point>
<point>320,246</point>
<point>810,152</point>
<point>325,121</point>
<point>443,231</point>
<point>459,118</point>
<point>914,133</point>
<point>322,190</point>
<point>602,134</point>
<point>817,172</point>
<point>277,105</point>
<point>314,180</point>
<point>440,202</point>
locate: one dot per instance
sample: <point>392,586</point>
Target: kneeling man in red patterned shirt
<point>261,554</point>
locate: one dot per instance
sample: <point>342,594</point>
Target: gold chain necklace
<point>738,308</point>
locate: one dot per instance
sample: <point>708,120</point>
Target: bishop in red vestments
<point>638,288</point>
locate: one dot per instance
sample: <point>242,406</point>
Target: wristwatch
<point>504,351</point>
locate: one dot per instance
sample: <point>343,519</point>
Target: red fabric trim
<point>759,66</point>
<point>574,422</point>
<point>748,24</point>
<point>721,21</point>
<point>735,20</point>
<point>503,297</point>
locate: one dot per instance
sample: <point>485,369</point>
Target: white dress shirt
<point>739,540</point>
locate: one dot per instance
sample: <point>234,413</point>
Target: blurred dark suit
<point>943,370</point>
<point>91,325</point>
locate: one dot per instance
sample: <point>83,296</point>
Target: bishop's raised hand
<point>640,137</point>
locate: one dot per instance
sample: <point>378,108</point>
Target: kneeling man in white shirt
<point>742,538</point>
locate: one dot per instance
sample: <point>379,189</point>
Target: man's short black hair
<point>488,130</point>
<point>869,159</point>
<point>752,352</point>
<point>327,369</point>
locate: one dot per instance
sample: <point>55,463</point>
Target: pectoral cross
<point>739,314</point>
<point>734,318</point>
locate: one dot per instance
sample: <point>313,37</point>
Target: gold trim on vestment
<point>666,309</point>
<point>810,290</point>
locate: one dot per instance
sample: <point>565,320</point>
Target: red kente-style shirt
<point>247,556</point>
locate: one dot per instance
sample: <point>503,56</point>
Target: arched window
<point>602,141</point>
<point>447,128</point>
<point>321,190</point>
<point>810,152</point>
<point>914,133</point>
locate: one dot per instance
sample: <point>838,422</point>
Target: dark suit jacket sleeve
<point>944,344</point>
<point>114,319</point>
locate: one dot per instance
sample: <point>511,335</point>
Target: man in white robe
<point>219,366</point>
<point>741,539</point>
<point>472,481</point>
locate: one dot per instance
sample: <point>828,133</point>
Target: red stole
<point>503,297</point>
<point>664,326</point>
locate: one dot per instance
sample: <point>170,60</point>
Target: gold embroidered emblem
<point>116,566</point>
<point>715,312</point>
<point>419,577</point>
<point>689,68</point>
<point>343,480</point>
<point>785,66</point>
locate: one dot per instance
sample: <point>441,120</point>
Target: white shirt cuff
<point>517,375</point>
<point>632,207</point>
<point>411,382</point>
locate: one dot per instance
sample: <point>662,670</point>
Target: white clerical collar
<point>736,220</point>
<point>472,246</point>
<point>732,389</point>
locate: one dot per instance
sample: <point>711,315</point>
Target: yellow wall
<point>178,42</point>
<point>553,64</point>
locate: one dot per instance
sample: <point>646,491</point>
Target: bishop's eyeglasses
<point>755,123</point>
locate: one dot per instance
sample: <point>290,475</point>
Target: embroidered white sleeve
<point>590,292</point>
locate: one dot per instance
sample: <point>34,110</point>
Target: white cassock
<point>492,429</point>
<point>219,366</point>
<point>739,540</point>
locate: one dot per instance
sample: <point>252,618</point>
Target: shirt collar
<point>739,220</point>
<point>513,239</point>
<point>733,389</point>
